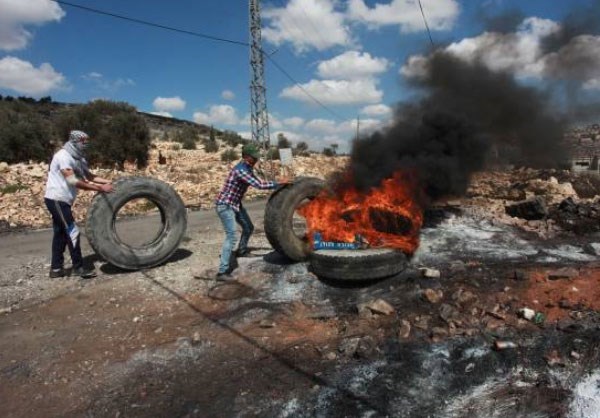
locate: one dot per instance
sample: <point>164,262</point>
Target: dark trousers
<point>66,234</point>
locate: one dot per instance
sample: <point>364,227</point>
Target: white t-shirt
<point>57,187</point>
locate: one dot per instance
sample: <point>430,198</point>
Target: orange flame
<point>386,216</point>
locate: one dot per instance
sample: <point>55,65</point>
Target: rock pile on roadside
<point>196,175</point>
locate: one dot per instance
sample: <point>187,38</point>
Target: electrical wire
<point>156,25</point>
<point>426,25</point>
<point>204,36</point>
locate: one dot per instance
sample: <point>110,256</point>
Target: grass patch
<point>12,188</point>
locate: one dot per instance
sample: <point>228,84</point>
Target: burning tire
<point>281,226</point>
<point>368,264</point>
<point>102,214</point>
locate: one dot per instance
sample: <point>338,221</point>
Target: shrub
<point>187,134</point>
<point>211,146</point>
<point>229,155</point>
<point>12,188</point>
<point>282,141</point>
<point>273,154</point>
<point>233,139</point>
<point>175,147</point>
<point>24,135</point>
<point>301,149</point>
<point>188,143</point>
<point>116,130</point>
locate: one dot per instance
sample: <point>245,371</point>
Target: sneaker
<point>84,273</point>
<point>242,253</point>
<point>55,273</point>
<point>223,276</point>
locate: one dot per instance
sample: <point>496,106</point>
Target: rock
<point>266,323</point>
<point>504,345</point>
<point>532,209</point>
<point>448,313</point>
<point>457,267</point>
<point>330,355</point>
<point>526,313</point>
<point>4,167</point>
<point>367,348</point>
<point>554,359</point>
<point>422,322</point>
<point>430,273</point>
<point>136,319</point>
<point>520,275</point>
<point>592,248</point>
<point>563,273</point>
<point>404,330</point>
<point>380,306</point>
<point>348,346</point>
<point>438,333</point>
<point>5,310</point>
<point>463,296</point>
<point>433,296</point>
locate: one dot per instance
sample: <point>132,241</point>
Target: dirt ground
<point>277,341</point>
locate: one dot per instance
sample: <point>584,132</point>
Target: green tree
<point>282,141</point>
<point>327,151</point>
<point>301,149</point>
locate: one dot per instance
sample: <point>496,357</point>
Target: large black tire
<point>368,264</point>
<point>103,237</point>
<point>279,215</point>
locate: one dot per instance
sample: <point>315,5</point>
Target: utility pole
<point>259,117</point>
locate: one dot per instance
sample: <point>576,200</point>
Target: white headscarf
<point>76,146</point>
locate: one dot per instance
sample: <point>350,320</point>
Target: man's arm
<point>252,180</point>
<point>69,175</point>
<point>97,179</point>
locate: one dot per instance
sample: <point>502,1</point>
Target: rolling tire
<point>279,215</point>
<point>102,234</point>
<point>368,264</point>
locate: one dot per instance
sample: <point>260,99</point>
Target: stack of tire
<point>364,264</point>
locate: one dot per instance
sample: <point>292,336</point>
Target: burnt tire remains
<point>368,264</point>
<point>279,217</point>
<point>102,215</point>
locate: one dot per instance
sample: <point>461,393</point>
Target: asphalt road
<point>18,246</point>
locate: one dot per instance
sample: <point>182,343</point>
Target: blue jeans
<point>229,218</point>
<point>66,234</point>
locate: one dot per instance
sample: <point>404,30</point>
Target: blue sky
<point>353,56</point>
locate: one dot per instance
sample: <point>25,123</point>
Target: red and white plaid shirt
<point>240,177</point>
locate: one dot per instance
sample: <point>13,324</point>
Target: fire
<point>386,216</point>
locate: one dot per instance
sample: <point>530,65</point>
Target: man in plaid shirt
<point>230,208</point>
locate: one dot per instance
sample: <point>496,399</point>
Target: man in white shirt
<point>68,172</point>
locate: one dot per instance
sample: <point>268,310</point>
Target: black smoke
<point>468,115</point>
<point>585,21</point>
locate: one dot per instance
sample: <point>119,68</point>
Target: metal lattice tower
<point>259,117</point>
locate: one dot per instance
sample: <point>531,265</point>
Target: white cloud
<point>376,110</point>
<point>16,14</point>
<point>336,92</point>
<point>228,95</point>
<point>323,126</point>
<point>108,85</point>
<point>294,122</point>
<point>352,65</point>
<point>218,114</point>
<point>166,104</point>
<point>306,24</point>
<point>441,14</point>
<point>165,114</point>
<point>22,77</point>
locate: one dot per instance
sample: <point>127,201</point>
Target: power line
<point>205,36</point>
<point>156,25</point>
<point>317,101</point>
<point>426,25</point>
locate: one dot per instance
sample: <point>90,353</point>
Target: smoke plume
<point>467,112</point>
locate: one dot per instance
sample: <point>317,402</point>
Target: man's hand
<point>106,188</point>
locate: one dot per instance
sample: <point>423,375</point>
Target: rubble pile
<point>195,174</point>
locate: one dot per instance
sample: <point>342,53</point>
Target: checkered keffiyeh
<point>77,136</point>
<point>240,177</point>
